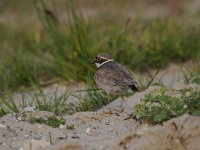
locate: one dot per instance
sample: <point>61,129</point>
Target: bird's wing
<point>116,74</point>
<point>123,76</point>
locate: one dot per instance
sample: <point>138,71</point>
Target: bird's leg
<point>110,111</point>
<point>109,107</point>
<point>122,104</point>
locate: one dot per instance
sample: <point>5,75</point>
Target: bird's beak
<point>94,62</point>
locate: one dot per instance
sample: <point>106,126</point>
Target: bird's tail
<point>133,87</point>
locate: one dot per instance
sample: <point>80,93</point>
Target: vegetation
<point>43,102</point>
<point>90,100</point>
<point>192,75</point>
<point>52,121</point>
<point>8,105</point>
<point>93,100</point>
<point>54,103</point>
<point>159,107</point>
<point>65,50</point>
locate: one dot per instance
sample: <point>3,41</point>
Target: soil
<point>97,130</point>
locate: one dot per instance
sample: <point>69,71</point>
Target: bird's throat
<point>101,64</point>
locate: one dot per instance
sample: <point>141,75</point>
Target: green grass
<point>192,75</point>
<point>65,50</point>
<point>52,121</point>
<point>52,102</point>
<point>93,100</point>
<point>159,107</point>
<point>8,105</point>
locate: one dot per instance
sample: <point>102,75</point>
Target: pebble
<point>2,126</point>
<point>26,135</point>
<point>75,136</point>
<point>61,127</point>
<point>87,130</point>
<point>30,109</point>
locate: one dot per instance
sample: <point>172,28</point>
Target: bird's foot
<point>119,110</point>
<point>111,111</point>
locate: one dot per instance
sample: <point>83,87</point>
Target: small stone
<point>61,127</point>
<point>87,130</point>
<point>2,126</point>
<point>29,109</point>
<point>26,135</point>
<point>107,123</point>
<point>177,141</point>
<point>19,118</point>
<point>75,136</point>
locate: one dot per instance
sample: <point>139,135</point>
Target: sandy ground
<point>97,130</point>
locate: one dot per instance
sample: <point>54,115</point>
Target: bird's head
<point>101,59</point>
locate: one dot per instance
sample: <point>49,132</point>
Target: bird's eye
<point>99,59</point>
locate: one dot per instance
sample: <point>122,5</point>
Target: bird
<point>113,78</point>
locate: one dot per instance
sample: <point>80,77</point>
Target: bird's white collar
<point>99,65</point>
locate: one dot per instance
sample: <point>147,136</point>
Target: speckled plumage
<point>112,77</point>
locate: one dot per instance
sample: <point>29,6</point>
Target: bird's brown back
<point>113,74</point>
